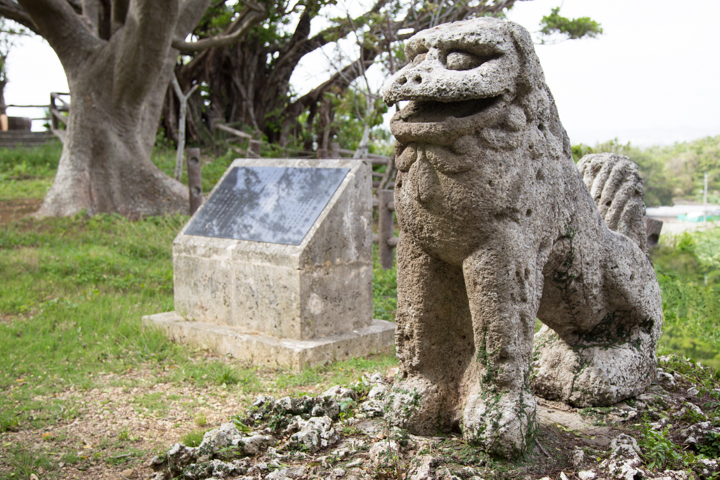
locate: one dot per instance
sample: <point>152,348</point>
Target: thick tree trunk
<point>105,165</point>
<point>117,89</point>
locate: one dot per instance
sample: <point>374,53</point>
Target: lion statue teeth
<point>498,228</point>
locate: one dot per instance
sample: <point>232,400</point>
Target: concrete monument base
<point>261,349</point>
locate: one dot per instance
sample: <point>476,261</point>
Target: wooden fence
<point>20,128</point>
<point>58,106</point>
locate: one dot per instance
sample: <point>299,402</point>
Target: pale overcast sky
<point>652,78</point>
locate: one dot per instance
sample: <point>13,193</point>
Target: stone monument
<point>497,228</point>
<point>276,267</point>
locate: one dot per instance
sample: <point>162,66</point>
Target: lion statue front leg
<point>502,283</point>
<point>434,340</point>
<point>464,338</point>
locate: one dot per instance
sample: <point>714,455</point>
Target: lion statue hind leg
<point>603,315</point>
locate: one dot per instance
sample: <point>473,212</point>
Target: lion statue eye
<point>462,61</point>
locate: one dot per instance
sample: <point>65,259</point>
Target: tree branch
<point>191,12</point>
<point>76,5</point>
<point>339,31</point>
<point>181,123</point>
<point>13,11</point>
<point>142,45</point>
<point>190,16</point>
<point>341,79</point>
<point>289,59</point>
<point>250,17</point>
<point>64,30</point>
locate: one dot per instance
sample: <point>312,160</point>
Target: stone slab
<point>319,287</point>
<point>377,337</point>
<point>267,204</point>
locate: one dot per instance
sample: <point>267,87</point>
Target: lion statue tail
<point>617,189</point>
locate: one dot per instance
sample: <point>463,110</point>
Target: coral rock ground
<point>669,432</point>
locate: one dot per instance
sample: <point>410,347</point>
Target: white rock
<point>660,424</point>
<point>285,473</point>
<point>382,452</point>
<point>341,393</point>
<point>425,470</point>
<point>665,380</point>
<point>257,469</point>
<point>586,475</point>
<point>689,407</point>
<point>180,456</point>
<point>375,378</point>
<point>284,403</point>
<point>218,438</point>
<point>372,408</point>
<point>578,457</point>
<point>672,475</point>
<point>256,444</point>
<point>337,473</point>
<point>377,392</point>
<point>624,461</point>
<point>316,433</point>
<point>709,466</point>
<point>697,433</point>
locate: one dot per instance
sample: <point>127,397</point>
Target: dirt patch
<point>568,419</point>
<point>119,427</point>
<point>17,208</point>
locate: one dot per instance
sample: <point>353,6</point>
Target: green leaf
<point>573,29</point>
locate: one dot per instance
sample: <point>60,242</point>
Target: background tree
<point>9,32</point>
<point>118,58</point>
<point>248,83</point>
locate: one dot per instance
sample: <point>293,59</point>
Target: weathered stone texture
<point>321,287</point>
<point>497,228</point>
<point>616,186</point>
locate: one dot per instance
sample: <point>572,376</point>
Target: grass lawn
<point>688,269</point>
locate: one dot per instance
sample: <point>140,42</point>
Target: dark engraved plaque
<point>267,204</point>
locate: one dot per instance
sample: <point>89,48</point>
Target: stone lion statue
<point>498,227</point>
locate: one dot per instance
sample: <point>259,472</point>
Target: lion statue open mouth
<point>498,227</point>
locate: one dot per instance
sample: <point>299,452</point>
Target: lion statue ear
<point>533,93</point>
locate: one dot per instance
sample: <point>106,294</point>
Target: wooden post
<point>194,179</point>
<point>322,153</point>
<point>334,150</point>
<point>53,119</point>
<point>653,228</point>
<point>254,147</point>
<point>389,174</point>
<point>385,228</point>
